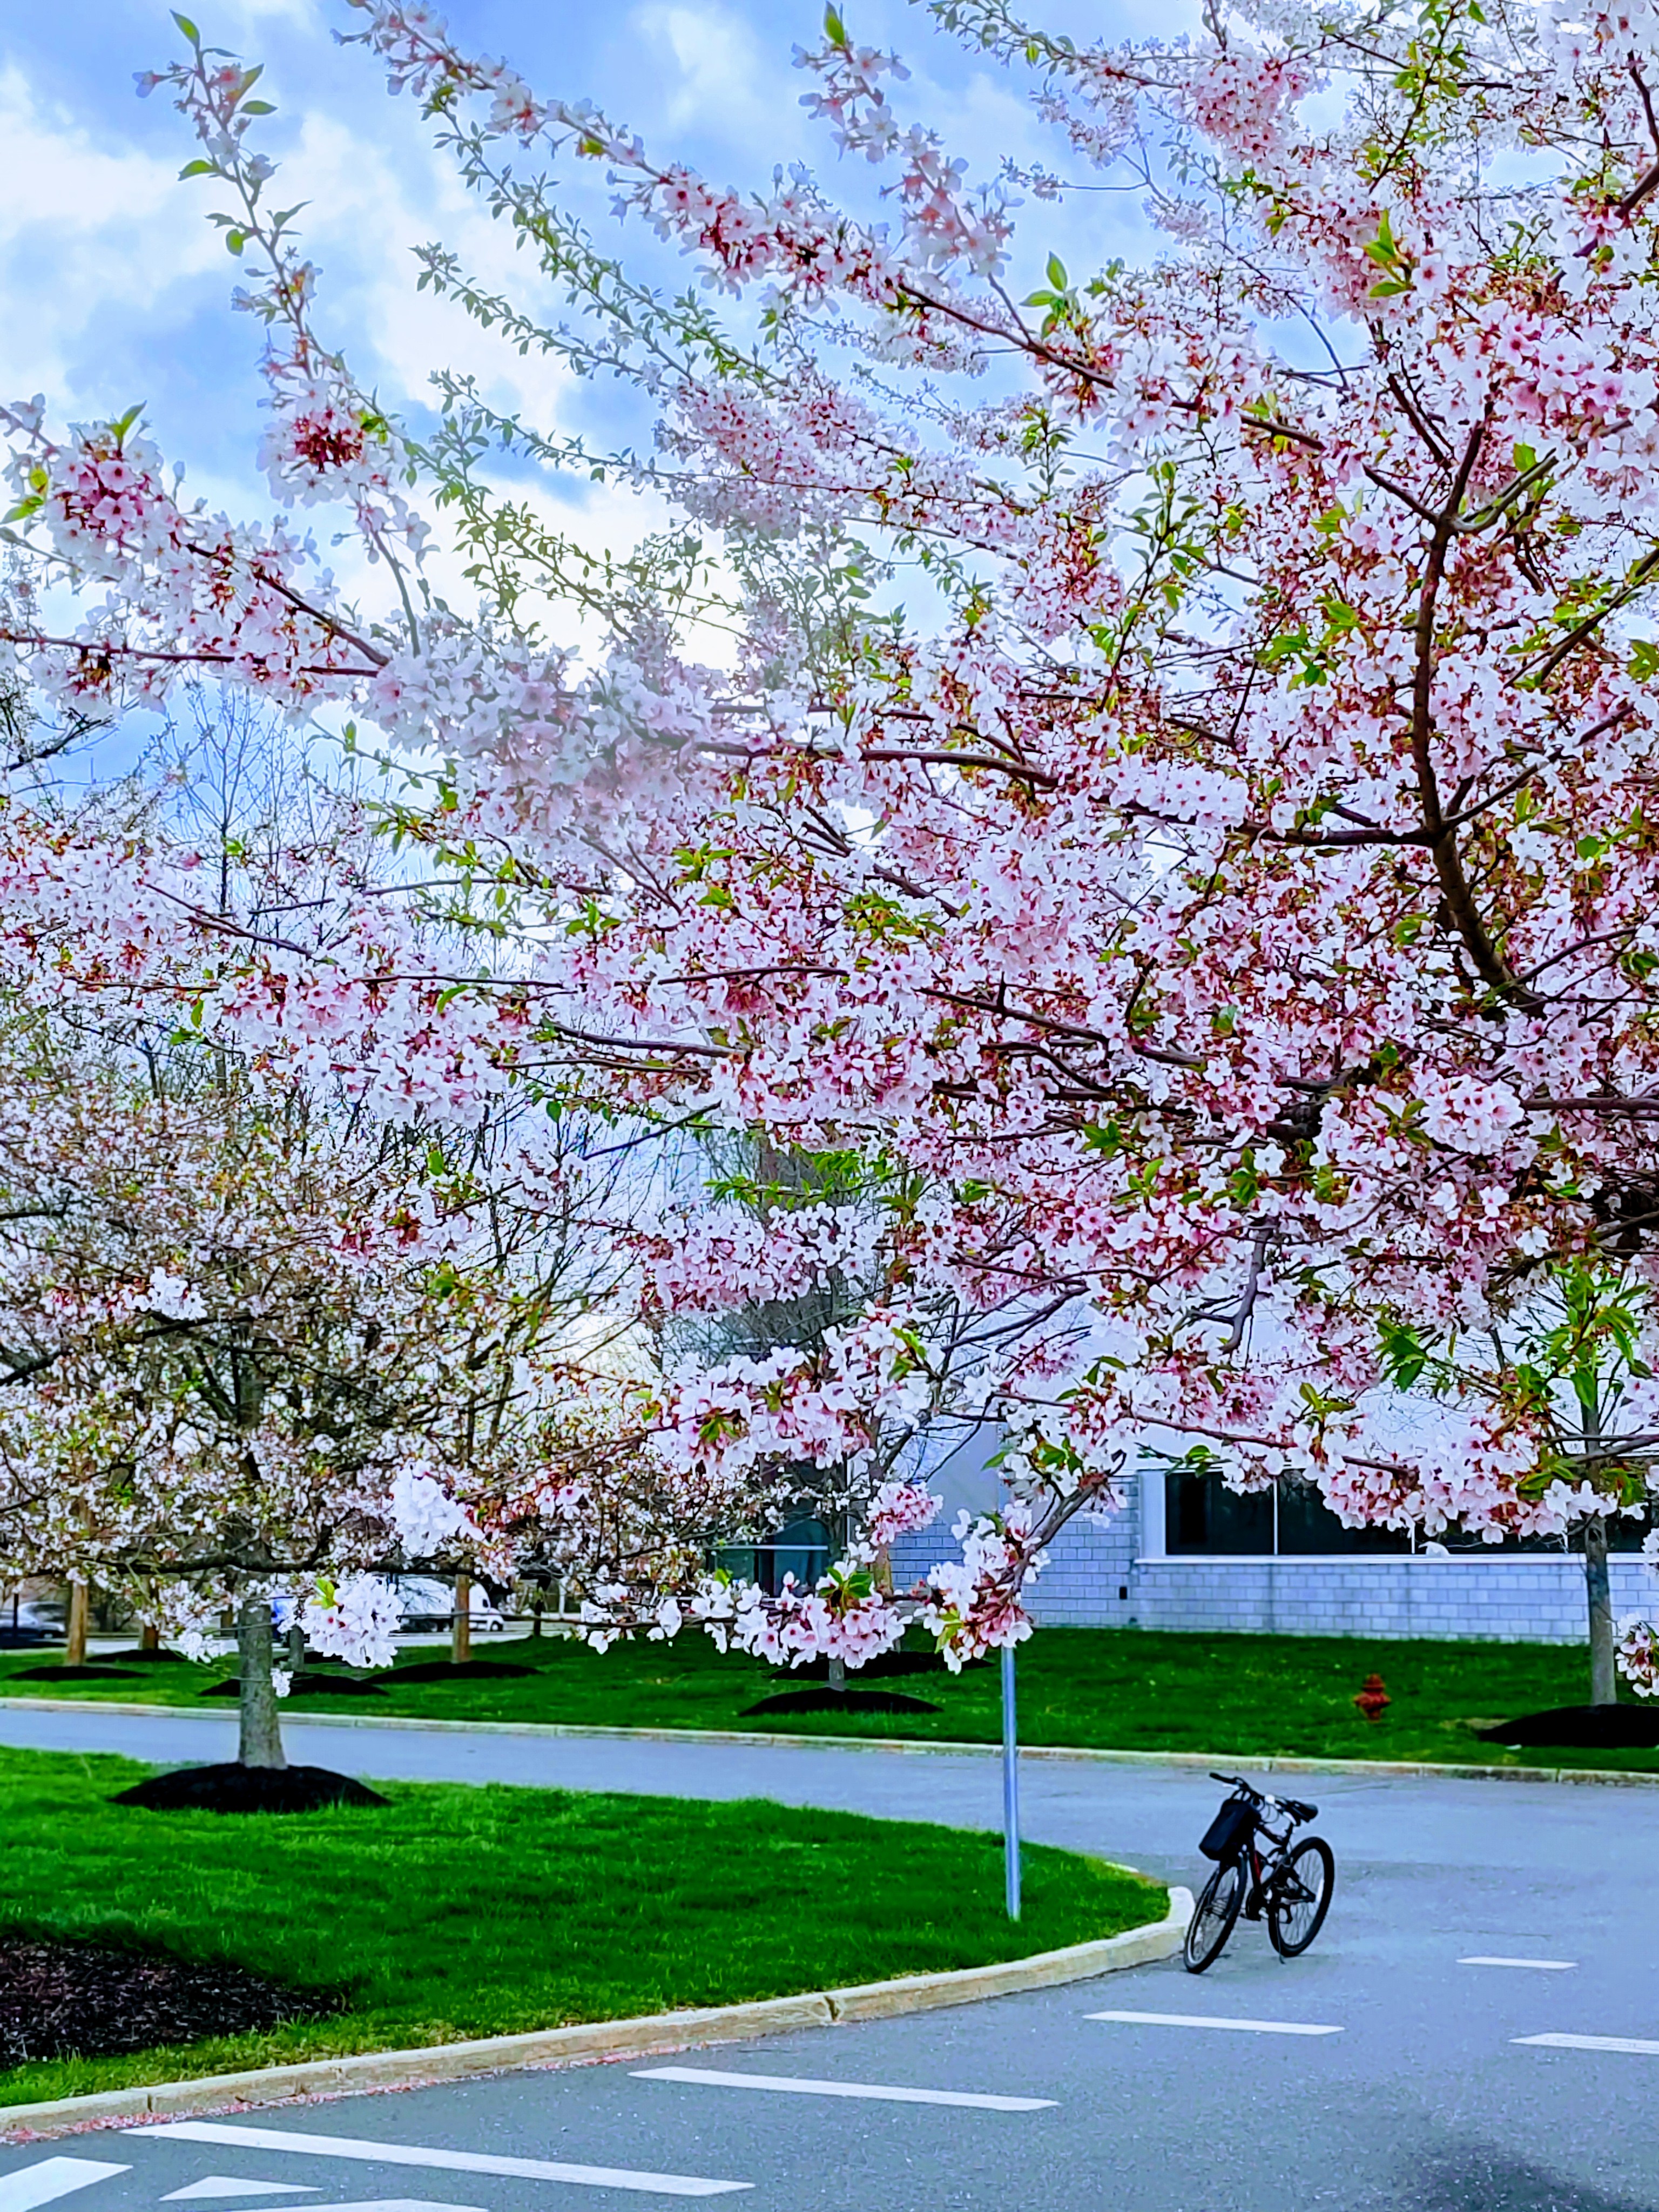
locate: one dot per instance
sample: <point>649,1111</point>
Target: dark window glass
<point>1307,1524</point>
<point>1202,1515</point>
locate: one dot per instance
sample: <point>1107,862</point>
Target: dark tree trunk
<point>1604,1678</point>
<point>262,1729</point>
<point>74,1628</point>
<point>838,1674</point>
<point>460,1622</point>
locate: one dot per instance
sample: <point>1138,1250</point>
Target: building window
<point>1203,1519</point>
<point>801,1549</point>
<point>1202,1515</point>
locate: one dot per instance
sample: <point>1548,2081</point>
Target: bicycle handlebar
<point>1298,1811</point>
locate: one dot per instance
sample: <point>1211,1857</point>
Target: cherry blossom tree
<point>252,1350</point>
<point>1176,784</point>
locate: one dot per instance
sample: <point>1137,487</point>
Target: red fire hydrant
<point>1373,1697</point>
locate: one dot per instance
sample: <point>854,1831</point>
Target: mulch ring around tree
<point>304,1684</point>
<point>140,1657</point>
<point>459,1670</point>
<point>61,2000</point>
<point>90,1673</point>
<point>1582,1727</point>
<point>233,1787</point>
<point>838,1701</point>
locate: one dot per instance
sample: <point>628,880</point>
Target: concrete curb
<point>934,1748</point>
<point>598,2040</point>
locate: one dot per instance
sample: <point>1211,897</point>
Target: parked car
<point>27,1622</point>
<point>429,1604</point>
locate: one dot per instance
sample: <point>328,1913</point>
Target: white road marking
<point>1592,2043</point>
<point>1209,2019</point>
<point>793,2085</point>
<point>451,2161</point>
<point>51,2178</point>
<point>227,2184</point>
<point>395,2204</point>
<point>1543,1966</point>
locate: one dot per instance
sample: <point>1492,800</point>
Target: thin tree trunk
<point>74,1628</point>
<point>838,1675</point>
<point>149,1636</point>
<point>460,1624</point>
<point>262,1729</point>
<point>538,1600</point>
<point>1604,1679</point>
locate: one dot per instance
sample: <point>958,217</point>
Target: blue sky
<point>113,289</point>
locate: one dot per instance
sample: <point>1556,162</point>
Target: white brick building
<point>1190,1557</point>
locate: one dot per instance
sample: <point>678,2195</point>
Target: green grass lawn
<point>461,1912</point>
<point>1116,1689</point>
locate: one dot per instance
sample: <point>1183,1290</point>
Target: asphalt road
<point>1423,2099</point>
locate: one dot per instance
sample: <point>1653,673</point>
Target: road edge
<point>1609,1777</point>
<point>594,2042</point>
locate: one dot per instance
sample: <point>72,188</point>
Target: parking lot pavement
<point>1398,2065</point>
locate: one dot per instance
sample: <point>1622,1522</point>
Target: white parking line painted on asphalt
<point>396,2204</point>
<point>450,2161</point>
<point>1210,2020</point>
<point>1541,1966</point>
<point>793,2085</point>
<point>49,2179</point>
<point>1635,2043</point>
<point>228,2185</point>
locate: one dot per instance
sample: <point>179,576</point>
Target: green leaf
<point>1056,272</point>
<point>197,169</point>
<point>24,508</point>
<point>188,27</point>
<point>834,30</point>
<point>257,107</point>
<point>235,241</point>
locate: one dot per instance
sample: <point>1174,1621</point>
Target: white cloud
<point>88,228</point>
<point>715,76</point>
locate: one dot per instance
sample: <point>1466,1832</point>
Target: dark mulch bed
<point>1584,1727</point>
<point>87,2000</point>
<point>305,1684</point>
<point>839,1701</point>
<point>459,1670</point>
<point>880,1669</point>
<point>90,1673</point>
<point>139,1657</point>
<point>235,1789</point>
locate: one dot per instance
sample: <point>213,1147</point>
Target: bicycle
<point>1291,1888</point>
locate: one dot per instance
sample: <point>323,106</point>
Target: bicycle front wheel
<point>1301,1897</point>
<point>1214,1916</point>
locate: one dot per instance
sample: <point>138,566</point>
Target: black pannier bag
<point>1230,1831</point>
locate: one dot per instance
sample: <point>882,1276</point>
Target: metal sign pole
<point>1010,1785</point>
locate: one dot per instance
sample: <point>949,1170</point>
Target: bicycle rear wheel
<point>1214,1916</point>
<point>1301,1897</point>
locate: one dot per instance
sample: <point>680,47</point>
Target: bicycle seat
<point>1297,1810</point>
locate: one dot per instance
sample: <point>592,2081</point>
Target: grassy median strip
<point>1111,1689</point>
<point>459,1911</point>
